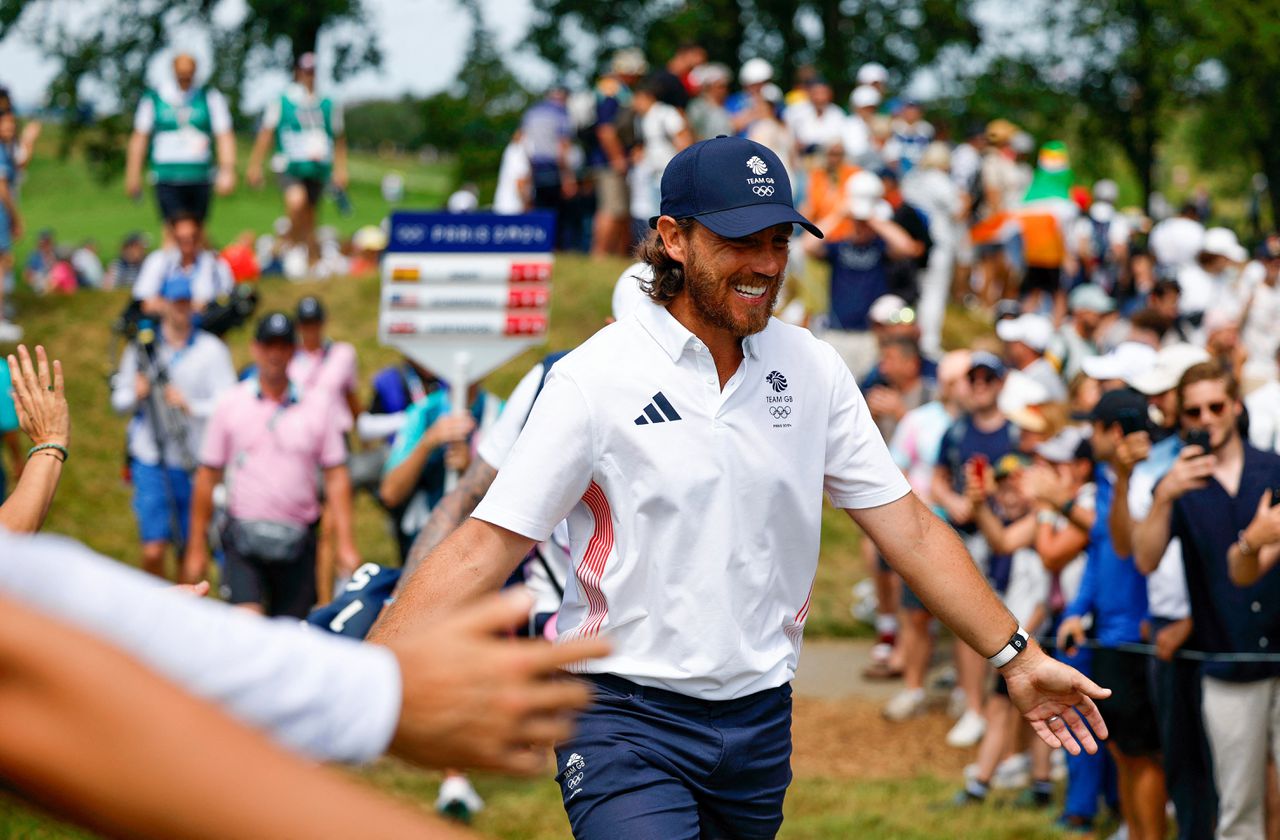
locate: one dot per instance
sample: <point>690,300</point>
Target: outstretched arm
<point>1055,698</point>
<point>96,737</point>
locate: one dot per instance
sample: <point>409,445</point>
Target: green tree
<point>836,36</point>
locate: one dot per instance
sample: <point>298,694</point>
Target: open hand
<point>39,397</point>
<point>476,700</point>
<point>1057,700</point>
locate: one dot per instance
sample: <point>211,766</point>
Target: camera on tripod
<point>220,315</point>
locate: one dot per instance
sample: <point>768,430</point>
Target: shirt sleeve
<point>271,115</point>
<point>150,276</point>
<point>8,411</point>
<point>859,471</point>
<point>496,444</point>
<point>327,697</point>
<point>1142,488</point>
<point>337,119</point>
<point>550,466</point>
<point>124,396</point>
<point>219,374</point>
<point>219,113</point>
<point>333,448</point>
<point>144,119</point>
<point>215,449</point>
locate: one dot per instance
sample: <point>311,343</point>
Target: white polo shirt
<point>694,513</point>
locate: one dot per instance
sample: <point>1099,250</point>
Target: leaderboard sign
<point>461,294</point>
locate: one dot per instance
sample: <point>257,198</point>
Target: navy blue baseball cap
<point>732,186</point>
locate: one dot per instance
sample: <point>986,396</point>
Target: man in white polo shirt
<point>688,446</point>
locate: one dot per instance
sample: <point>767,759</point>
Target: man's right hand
<point>253,176</point>
<point>1133,447</point>
<point>132,187</point>
<point>450,428</point>
<point>141,386</point>
<point>1190,472</point>
<point>473,699</point>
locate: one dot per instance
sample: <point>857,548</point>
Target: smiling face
<point>731,285</point>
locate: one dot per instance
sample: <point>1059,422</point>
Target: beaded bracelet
<point>57,447</point>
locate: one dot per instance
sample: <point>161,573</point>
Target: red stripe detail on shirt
<point>803,612</point>
<point>591,569</point>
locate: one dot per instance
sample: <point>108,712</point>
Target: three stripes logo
<point>659,410</point>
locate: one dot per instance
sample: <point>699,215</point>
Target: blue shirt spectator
<point>859,275</point>
<point>543,130</point>
<point>1112,589</point>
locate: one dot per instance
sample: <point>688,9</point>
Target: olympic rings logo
<point>780,412</point>
<point>411,234</point>
<point>762,191</point>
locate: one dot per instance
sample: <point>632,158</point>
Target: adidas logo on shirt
<point>659,410</point>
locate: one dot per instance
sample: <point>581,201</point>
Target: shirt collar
<point>672,336</point>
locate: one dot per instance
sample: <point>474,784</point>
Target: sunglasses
<point>982,377</point>
<point>1194,412</point>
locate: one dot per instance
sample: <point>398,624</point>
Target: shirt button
<point>1263,642</point>
<point>1256,607</point>
<point>711,381</point>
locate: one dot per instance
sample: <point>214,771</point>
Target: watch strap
<point>1016,645</point>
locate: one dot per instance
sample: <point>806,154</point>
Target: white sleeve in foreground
<point>327,697</point>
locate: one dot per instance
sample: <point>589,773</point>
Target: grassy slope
<point>93,504</point>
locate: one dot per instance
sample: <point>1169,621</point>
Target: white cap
<point>711,73</point>
<point>884,308</point>
<point>1106,190</point>
<point>872,73</point>
<point>1171,362</point>
<point>1031,329</point>
<point>1062,447</point>
<point>369,238</point>
<point>864,96</point>
<point>1130,360</point>
<point>629,61</point>
<point>862,194</point>
<point>1222,242</point>
<point>755,71</point>
<point>462,201</point>
<point>1017,398</point>
<point>627,294</point>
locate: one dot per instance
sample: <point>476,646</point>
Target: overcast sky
<point>423,42</point>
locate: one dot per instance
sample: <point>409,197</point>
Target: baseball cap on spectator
<point>306,61</point>
<point>711,73</point>
<point>1020,400</point>
<point>733,186</point>
<point>755,71</point>
<point>177,287</point>
<point>865,96</point>
<point>310,310</point>
<point>1007,308</point>
<point>890,309</point>
<point>629,62</point>
<point>1121,402</point>
<point>1029,328</point>
<point>1010,463</point>
<point>771,93</point>
<point>1129,360</point>
<point>872,73</point>
<point>1220,318</point>
<point>1023,143</point>
<point>1171,362</point>
<point>275,326</point>
<point>1222,242</point>
<point>1064,447</point>
<point>982,360</point>
<point>1090,297</point>
<point>1106,190</point>
<point>862,193</point>
<point>369,238</point>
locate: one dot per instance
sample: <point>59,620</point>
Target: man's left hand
<point>174,398</point>
<point>1057,700</point>
<point>340,178</point>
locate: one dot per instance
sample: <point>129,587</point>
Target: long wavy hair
<point>668,274</point>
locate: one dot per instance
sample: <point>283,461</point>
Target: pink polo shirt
<point>332,368</point>
<point>271,452</point>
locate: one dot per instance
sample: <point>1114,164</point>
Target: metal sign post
<point>463,294</point>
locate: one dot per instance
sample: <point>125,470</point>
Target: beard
<point>712,297</point>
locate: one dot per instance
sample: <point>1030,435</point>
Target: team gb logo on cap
<point>757,166</point>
